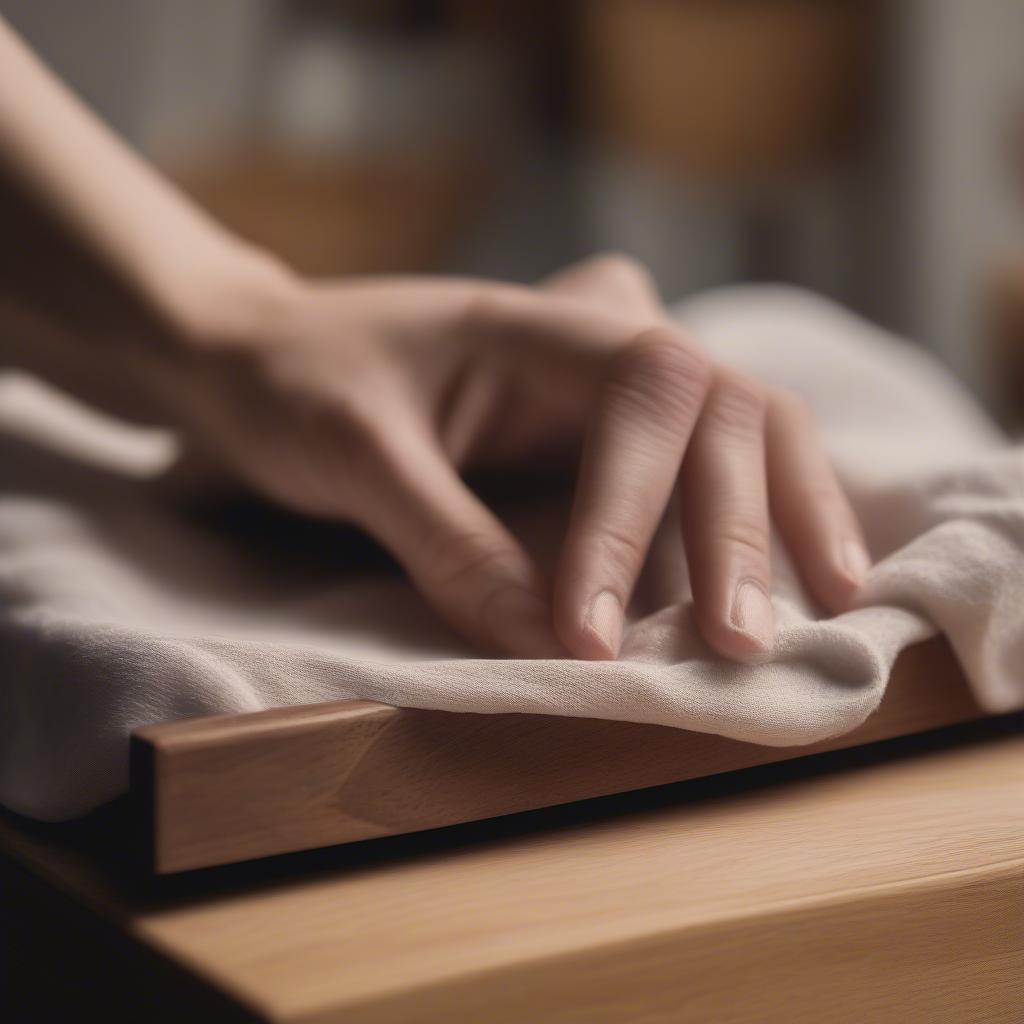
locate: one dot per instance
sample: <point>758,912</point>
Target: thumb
<point>460,556</point>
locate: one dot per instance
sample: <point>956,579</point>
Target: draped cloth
<point>120,609</point>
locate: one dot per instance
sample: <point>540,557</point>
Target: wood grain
<point>219,790</point>
<point>882,885</point>
<point>889,893</point>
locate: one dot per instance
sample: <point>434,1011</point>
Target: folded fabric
<point>116,610</point>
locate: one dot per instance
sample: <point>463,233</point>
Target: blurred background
<point>870,149</point>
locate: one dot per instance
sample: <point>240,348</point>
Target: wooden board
<point>230,788</point>
<point>883,884</point>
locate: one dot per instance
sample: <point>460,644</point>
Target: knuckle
<point>662,373</point>
<point>742,389</point>
<point>453,558</point>
<point>493,309</point>
<point>620,549</point>
<point>618,266</point>
<point>738,404</point>
<point>746,534</point>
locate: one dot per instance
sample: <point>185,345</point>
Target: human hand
<point>363,400</point>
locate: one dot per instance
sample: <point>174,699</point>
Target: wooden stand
<point>880,884</point>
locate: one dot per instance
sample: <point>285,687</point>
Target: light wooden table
<point>880,884</point>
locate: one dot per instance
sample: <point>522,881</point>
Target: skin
<point>364,400</point>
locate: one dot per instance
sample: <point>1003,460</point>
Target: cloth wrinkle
<point>117,610</point>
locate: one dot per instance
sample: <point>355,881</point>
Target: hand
<point>362,401</point>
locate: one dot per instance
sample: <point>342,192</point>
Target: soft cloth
<point>117,611</point>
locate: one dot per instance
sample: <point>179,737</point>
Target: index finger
<point>652,395</point>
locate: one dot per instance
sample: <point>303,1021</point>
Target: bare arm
<point>101,258</point>
<point>363,400</point>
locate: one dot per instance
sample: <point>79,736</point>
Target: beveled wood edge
<point>162,755</point>
<point>213,730</point>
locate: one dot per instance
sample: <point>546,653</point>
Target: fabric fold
<point>117,610</point>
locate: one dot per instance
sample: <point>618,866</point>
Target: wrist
<point>249,297</point>
<point>220,319</point>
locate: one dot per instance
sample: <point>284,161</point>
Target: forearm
<point>100,251</point>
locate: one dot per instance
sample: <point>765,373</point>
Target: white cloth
<point>116,611</point>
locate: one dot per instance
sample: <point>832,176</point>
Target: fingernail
<point>855,561</point>
<point>520,623</point>
<point>752,614</point>
<point>604,620</point>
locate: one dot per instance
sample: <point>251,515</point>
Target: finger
<point>813,513</point>
<point>522,349</point>
<point>724,507</point>
<point>459,555</point>
<point>612,282</point>
<point>650,400</point>
<point>528,349</point>
<point>649,382</point>
<point>557,329</point>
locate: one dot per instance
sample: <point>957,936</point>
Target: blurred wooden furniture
<point>883,884</point>
<point>339,217</point>
<point>229,788</point>
<point>1007,332</point>
<point>724,91</point>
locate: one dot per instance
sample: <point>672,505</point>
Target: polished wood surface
<point>224,789</point>
<point>881,884</point>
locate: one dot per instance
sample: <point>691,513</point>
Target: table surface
<point>880,884</point>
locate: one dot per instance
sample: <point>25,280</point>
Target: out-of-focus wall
<point>957,170</point>
<point>862,149</point>
<point>163,74</point>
